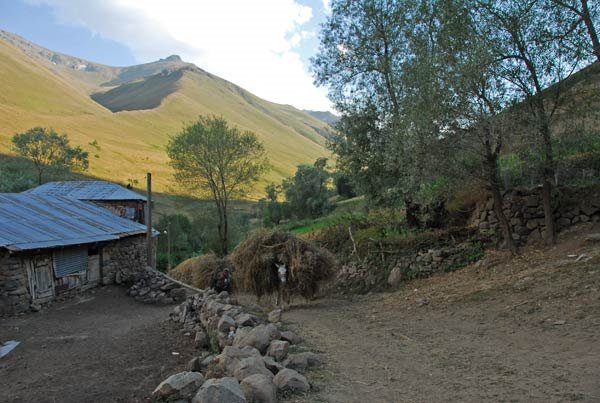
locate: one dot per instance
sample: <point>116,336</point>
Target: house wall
<point>119,207</point>
<point>120,261</point>
<point>14,289</point>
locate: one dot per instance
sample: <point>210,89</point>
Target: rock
<point>179,386</point>
<point>224,390</point>
<point>250,366</point>
<point>592,238</point>
<point>201,340</point>
<point>178,294</point>
<point>292,337</point>
<point>225,323</point>
<point>259,388</point>
<point>272,365</point>
<point>227,362</point>
<point>278,349</point>
<point>302,361</point>
<point>35,307</point>
<point>246,319</point>
<point>395,276</point>
<point>288,380</point>
<point>275,316</point>
<point>194,365</point>
<point>260,337</point>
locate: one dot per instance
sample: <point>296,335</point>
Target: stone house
<point>122,201</point>
<point>51,245</point>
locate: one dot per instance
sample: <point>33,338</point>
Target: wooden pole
<point>150,243</point>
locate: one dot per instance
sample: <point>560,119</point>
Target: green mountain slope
<point>138,108</point>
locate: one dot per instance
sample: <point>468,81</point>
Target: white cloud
<point>327,6</point>
<point>251,43</point>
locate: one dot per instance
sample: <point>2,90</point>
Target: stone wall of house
<point>123,259</point>
<point>523,208</point>
<point>14,291</point>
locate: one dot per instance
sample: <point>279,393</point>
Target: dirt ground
<point>506,330</point>
<point>101,346</point>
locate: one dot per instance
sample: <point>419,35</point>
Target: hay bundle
<point>200,271</point>
<point>254,261</point>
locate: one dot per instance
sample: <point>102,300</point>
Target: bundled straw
<point>200,271</point>
<point>254,261</point>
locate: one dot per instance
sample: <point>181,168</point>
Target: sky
<point>264,46</point>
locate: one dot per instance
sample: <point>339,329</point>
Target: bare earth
<point>523,330</point>
<point>506,330</point>
<point>99,347</point>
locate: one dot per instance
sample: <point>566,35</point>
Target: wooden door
<point>93,271</point>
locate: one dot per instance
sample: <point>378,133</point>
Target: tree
<point>583,13</point>
<point>219,161</point>
<point>536,53</point>
<point>49,150</point>
<point>306,191</point>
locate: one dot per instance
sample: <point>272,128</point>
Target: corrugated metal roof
<point>86,190</point>
<point>35,221</point>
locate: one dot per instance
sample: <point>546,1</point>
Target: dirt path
<point>522,330</point>
<point>99,347</point>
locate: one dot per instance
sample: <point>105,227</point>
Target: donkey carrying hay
<point>279,262</point>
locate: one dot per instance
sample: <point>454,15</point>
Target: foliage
<point>344,185</point>
<point>49,150</point>
<point>306,192</point>
<point>213,159</point>
<point>178,236</point>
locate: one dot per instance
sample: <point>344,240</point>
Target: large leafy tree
<point>306,192</point>
<point>213,159</point>
<point>49,150</point>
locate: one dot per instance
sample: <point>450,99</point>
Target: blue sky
<point>261,45</point>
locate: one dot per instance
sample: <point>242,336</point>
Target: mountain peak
<point>173,58</point>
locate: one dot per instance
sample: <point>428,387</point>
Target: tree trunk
<point>412,214</point>
<point>39,176</point>
<point>225,239</point>
<point>548,171</point>
<point>589,24</point>
<point>494,184</point>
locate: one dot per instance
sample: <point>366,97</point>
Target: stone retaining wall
<point>123,259</point>
<point>523,209</point>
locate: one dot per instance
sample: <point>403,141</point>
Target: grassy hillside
<point>39,87</point>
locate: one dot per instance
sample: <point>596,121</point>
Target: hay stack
<point>199,271</point>
<point>254,261</point>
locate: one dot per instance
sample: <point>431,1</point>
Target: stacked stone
<point>14,294</point>
<point>524,210</point>
<point>243,359</point>
<point>151,287</point>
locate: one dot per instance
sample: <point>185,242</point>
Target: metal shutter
<point>70,261</point>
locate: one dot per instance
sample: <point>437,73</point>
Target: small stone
<point>245,319</point>
<point>302,361</point>
<point>201,340</point>
<point>272,365</point>
<point>395,276</point>
<point>225,323</point>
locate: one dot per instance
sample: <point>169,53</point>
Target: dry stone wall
<point>523,209</point>
<point>123,259</point>
<point>14,291</point>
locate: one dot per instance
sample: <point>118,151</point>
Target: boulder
<point>178,294</point>
<point>246,319</point>
<point>302,361</point>
<point>225,323</point>
<point>259,388</point>
<point>201,340</point>
<point>395,276</point>
<point>179,386</point>
<point>275,316</point>
<point>224,390</point>
<point>291,337</point>
<point>227,362</point>
<point>272,365</point>
<point>260,337</point>
<point>250,366</point>
<point>278,349</point>
<point>288,380</point>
